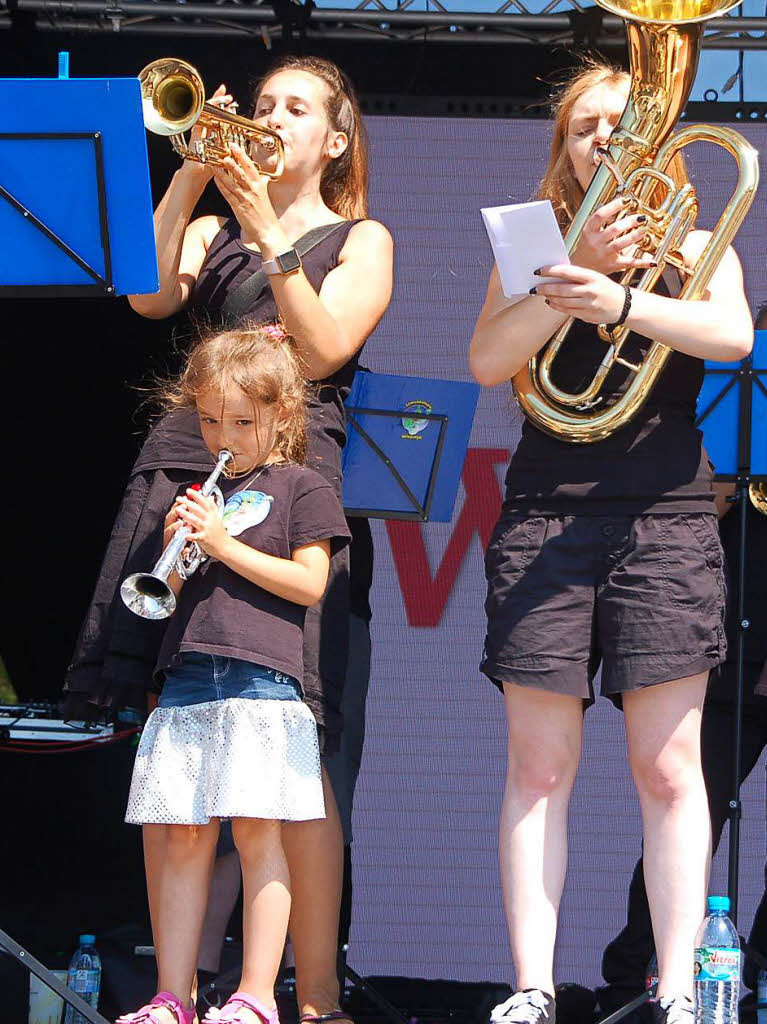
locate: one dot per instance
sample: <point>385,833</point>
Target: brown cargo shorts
<point>642,596</point>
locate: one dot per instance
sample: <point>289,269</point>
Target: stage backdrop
<point>427,895</point>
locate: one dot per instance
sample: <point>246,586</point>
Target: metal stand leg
<point>737,745</point>
<point>627,1009</point>
<point>35,967</point>
<point>390,1012</point>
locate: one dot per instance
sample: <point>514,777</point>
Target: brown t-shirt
<point>656,463</point>
<point>220,612</point>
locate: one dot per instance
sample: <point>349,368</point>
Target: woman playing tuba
<point>606,552</point>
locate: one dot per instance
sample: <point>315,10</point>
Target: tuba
<point>757,492</point>
<point>149,594</point>
<point>664,44</point>
<point>173,101</point>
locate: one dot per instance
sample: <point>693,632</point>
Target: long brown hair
<point>262,362</point>
<point>559,183</point>
<point>344,184</point>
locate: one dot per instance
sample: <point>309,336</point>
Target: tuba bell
<point>173,102</point>
<point>664,44</point>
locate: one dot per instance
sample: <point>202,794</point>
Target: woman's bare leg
<point>224,890</point>
<point>545,732</point>
<point>315,855</point>
<point>663,729</point>
<point>155,838</point>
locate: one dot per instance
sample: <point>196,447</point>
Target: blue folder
<point>406,444</point>
<point>732,407</point>
<point>74,170</point>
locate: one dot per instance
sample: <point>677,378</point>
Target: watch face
<point>289,261</point>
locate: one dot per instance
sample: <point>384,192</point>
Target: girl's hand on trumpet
<point>609,239</point>
<point>172,523</point>
<point>582,293</point>
<point>201,515</point>
<point>246,191</point>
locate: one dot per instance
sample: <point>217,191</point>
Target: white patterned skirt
<point>230,758</point>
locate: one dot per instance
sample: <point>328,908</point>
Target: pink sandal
<point>231,1011</point>
<point>148,1014</point>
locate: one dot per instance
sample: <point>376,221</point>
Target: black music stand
<point>65,236</point>
<point>733,418</point>
<point>75,200</point>
<point>732,415</point>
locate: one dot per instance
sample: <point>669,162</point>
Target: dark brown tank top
<point>656,463</point>
<point>228,263</point>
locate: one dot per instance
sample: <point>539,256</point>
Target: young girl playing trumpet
<point>231,737</point>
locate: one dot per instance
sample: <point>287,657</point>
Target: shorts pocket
<point>705,531</point>
<point>513,545</point>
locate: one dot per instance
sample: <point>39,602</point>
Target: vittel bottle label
<point>717,964</point>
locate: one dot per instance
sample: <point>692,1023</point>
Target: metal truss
<point>511,22</point>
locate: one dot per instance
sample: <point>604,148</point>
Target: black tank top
<point>656,463</point>
<point>227,264</point>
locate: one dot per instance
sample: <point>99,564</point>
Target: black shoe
<point>529,1007</point>
<point>674,1010</point>
<point>575,1004</point>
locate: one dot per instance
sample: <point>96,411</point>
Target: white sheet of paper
<point>524,237</point>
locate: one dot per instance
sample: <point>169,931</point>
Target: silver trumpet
<point>149,594</point>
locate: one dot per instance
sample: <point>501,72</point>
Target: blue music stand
<point>732,413</point>
<point>75,200</point>
<point>407,439</point>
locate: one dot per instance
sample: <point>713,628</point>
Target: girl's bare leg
<point>178,898</point>
<point>266,904</point>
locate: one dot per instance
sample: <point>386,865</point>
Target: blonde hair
<point>262,362</point>
<point>344,184</point>
<point>559,183</point>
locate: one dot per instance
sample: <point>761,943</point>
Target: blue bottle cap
<point>718,903</point>
<point>87,940</point>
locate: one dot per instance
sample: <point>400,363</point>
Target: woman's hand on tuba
<point>582,293</point>
<point>609,239</point>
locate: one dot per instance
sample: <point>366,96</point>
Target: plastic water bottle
<point>84,978</point>
<point>761,998</point>
<point>717,966</point>
<point>651,978</point>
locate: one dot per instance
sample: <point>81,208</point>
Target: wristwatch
<point>286,263</point>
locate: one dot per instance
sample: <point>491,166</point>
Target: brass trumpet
<point>149,594</point>
<point>173,101</point>
<point>664,43</point>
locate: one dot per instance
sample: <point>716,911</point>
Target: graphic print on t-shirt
<point>245,509</point>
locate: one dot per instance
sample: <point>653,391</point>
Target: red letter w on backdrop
<point>425,596</point>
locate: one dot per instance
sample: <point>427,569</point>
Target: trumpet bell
<point>148,596</point>
<point>172,96</point>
